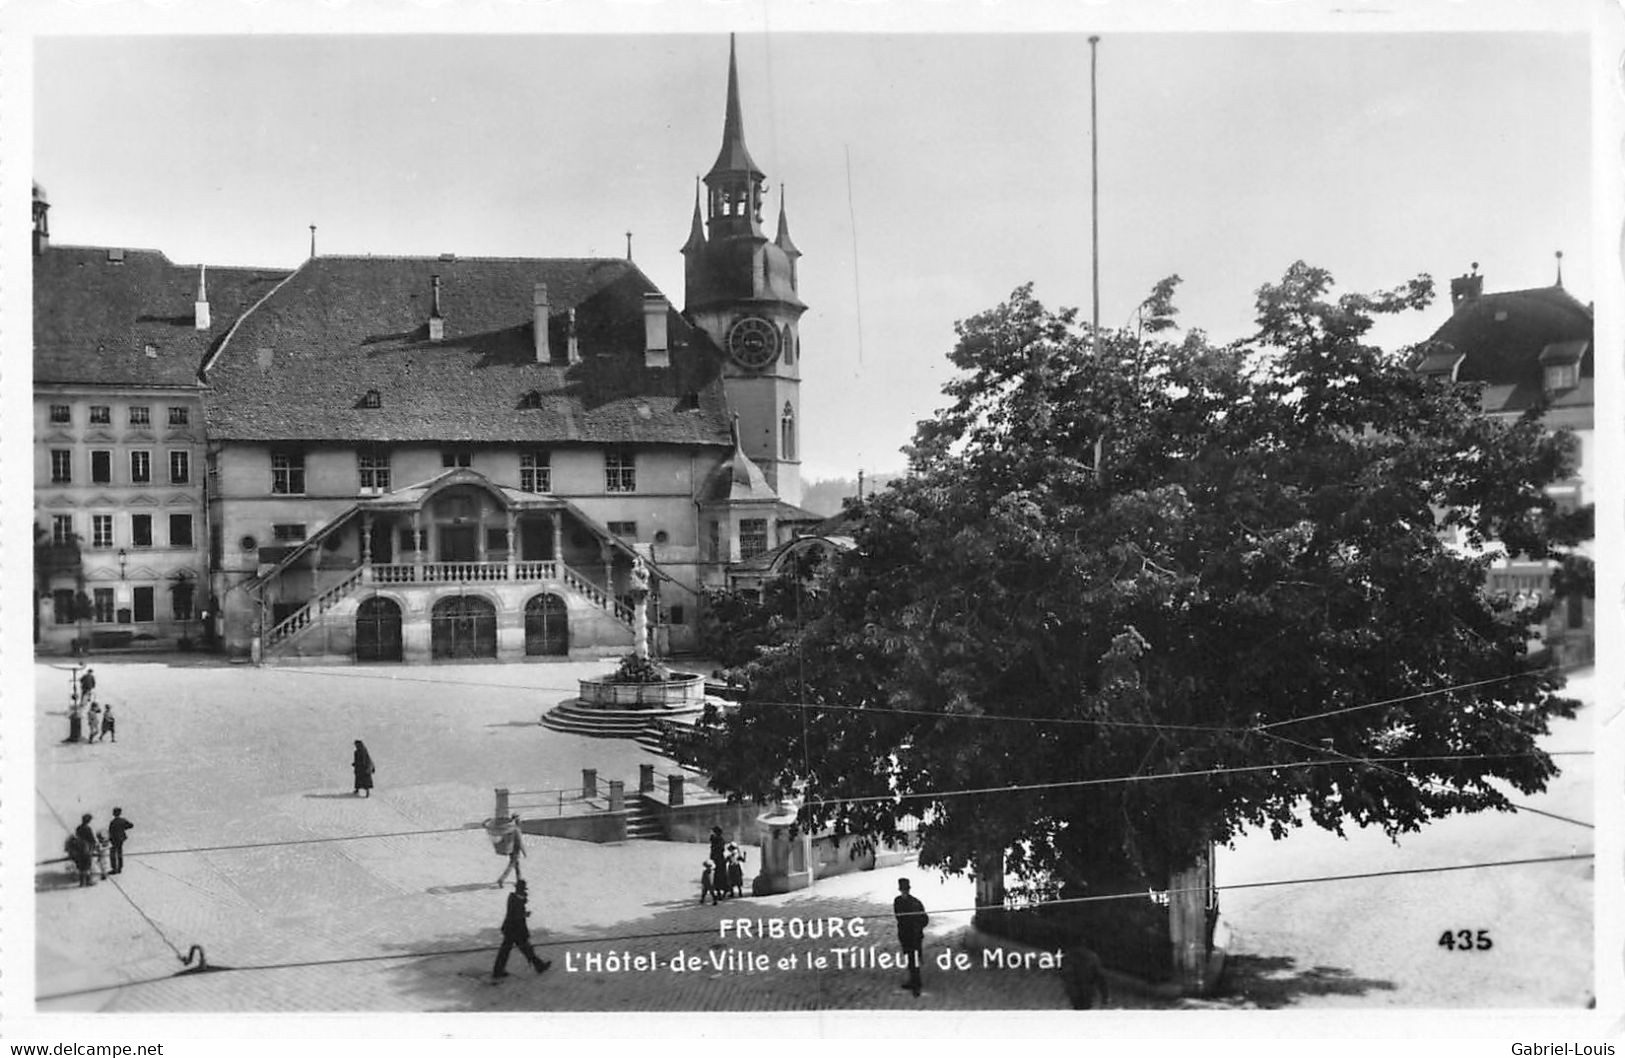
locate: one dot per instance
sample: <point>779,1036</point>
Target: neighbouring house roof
<point>122,317</point>
<point>300,365</point>
<point>1506,340</point>
<point>773,562</point>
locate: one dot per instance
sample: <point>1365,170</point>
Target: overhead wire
<point>553,942</point>
<point>1344,760</point>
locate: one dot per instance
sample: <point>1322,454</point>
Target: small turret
<point>42,220</point>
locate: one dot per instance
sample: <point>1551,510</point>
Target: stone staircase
<point>642,824</point>
<point>575,717</point>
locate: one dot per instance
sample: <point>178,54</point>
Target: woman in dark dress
<point>719,862</point>
<point>363,769</point>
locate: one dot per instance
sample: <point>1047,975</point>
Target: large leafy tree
<point>1228,576</point>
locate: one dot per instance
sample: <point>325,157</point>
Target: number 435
<point>1466,940</point>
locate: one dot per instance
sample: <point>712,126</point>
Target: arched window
<point>787,432</point>
<point>789,344</point>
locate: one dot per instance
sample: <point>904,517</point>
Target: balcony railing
<point>462,572</point>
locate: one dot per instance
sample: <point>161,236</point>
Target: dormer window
<point>371,399</point>
<point>1562,376</point>
<point>531,398</point>
<point>1560,364</point>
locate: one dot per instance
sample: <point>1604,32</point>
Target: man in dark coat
<point>117,830</point>
<point>516,934</point>
<point>87,686</point>
<point>911,920</point>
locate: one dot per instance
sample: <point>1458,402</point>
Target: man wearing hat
<point>516,933</point>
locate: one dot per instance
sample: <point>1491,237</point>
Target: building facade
<point>399,458</point>
<point>1529,349</point>
<point>119,450</point>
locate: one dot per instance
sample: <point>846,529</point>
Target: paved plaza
<point>249,843</point>
<point>212,756</point>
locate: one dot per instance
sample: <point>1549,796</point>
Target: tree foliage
<point>1215,572</point>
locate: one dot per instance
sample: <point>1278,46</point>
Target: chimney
<point>1467,288</point>
<point>572,348</point>
<point>539,322</point>
<point>200,307</point>
<point>437,323</point>
<point>655,353</point>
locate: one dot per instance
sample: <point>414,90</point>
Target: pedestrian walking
<point>363,766</point>
<point>101,854</point>
<point>516,934</point>
<point>87,685</point>
<point>75,723</point>
<point>511,843</point>
<point>107,723</point>
<point>911,920</point>
<point>117,831</point>
<point>95,721</point>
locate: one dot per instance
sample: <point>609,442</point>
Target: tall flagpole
<point>1094,198</point>
<point>1094,237</point>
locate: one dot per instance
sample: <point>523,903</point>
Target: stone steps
<point>577,718</point>
<point>642,825</point>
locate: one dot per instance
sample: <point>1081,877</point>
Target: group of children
<point>724,873</point>
<point>101,714</point>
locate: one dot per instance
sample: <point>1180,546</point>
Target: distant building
<point>1529,348</point>
<point>439,457</point>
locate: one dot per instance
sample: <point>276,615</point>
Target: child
<point>706,886</point>
<point>101,854</point>
<point>95,720</point>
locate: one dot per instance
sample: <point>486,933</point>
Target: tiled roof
<point>300,364</point>
<point>97,309</point>
<point>1502,337</point>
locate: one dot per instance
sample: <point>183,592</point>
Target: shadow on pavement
<point>466,887</point>
<point>330,796</point>
<point>1273,981</point>
<point>50,879</point>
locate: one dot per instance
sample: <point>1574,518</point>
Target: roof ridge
<point>231,332</point>
<point>108,246</point>
<point>456,257</point>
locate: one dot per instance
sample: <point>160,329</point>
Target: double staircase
<point>285,632</point>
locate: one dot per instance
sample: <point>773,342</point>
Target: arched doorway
<point>463,626</point>
<point>378,630</point>
<point>547,625</point>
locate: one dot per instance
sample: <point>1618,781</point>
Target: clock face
<point>753,342</point>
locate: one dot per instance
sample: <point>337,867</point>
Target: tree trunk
<point>1189,893</point>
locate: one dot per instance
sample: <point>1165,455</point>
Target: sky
<point>926,175</point>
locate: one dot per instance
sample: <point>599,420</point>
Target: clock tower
<point>740,288</point>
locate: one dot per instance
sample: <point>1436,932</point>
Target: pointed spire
<point>734,158</point>
<point>783,240</point>
<point>696,230</point>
